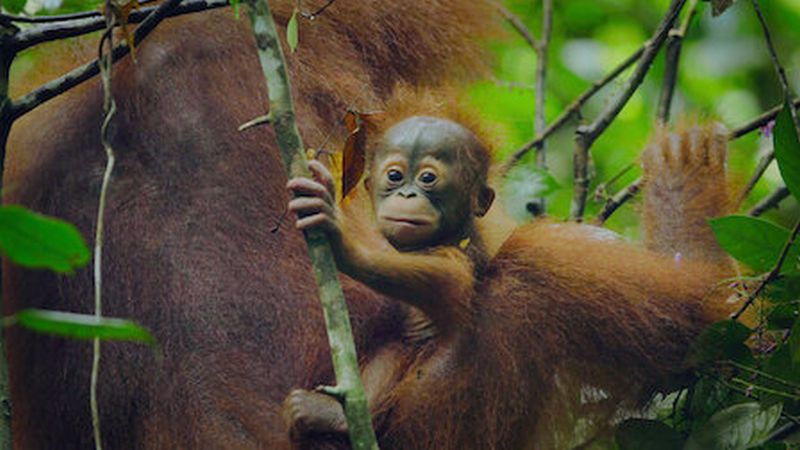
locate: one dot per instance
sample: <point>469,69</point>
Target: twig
<point>57,18</point>
<point>313,15</point>
<point>586,135</point>
<point>77,76</point>
<point>109,109</point>
<point>512,84</point>
<point>787,91</point>
<point>771,275</point>
<point>258,121</point>
<point>760,121</point>
<point>80,26</point>
<point>673,54</point>
<point>518,25</point>
<point>619,199</point>
<point>345,362</point>
<point>540,121</point>
<point>761,167</point>
<point>571,110</point>
<point>769,202</point>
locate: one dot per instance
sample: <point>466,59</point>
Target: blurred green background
<point>725,74</point>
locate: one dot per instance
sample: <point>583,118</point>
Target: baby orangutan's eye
<point>427,177</point>
<point>394,175</point>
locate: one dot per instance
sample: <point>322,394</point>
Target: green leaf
<point>784,289</point>
<point>721,341</point>
<point>773,446</point>
<point>14,6</point>
<point>291,31</point>
<point>81,326</point>
<point>642,434</point>
<point>236,8</point>
<point>787,150</point>
<point>782,316</point>
<point>36,241</point>
<point>738,427</point>
<point>755,242</point>
<point>779,366</point>
<point>794,343</point>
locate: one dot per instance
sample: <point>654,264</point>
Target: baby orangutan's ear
<point>484,200</point>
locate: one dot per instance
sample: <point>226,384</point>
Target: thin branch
<point>80,26</point>
<point>518,25</point>
<point>77,76</point>
<point>772,275</point>
<point>540,121</point>
<point>769,202</point>
<point>109,109</point>
<point>586,135</point>
<point>571,110</point>
<point>10,18</point>
<point>760,121</point>
<point>621,197</point>
<point>673,55</point>
<point>787,91</point>
<point>315,14</point>
<point>761,167</point>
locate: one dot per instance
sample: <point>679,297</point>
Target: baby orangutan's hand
<point>314,200</point>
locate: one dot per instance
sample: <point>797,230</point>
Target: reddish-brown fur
<point>189,254</point>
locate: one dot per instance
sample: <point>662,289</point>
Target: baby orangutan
<point>427,182</point>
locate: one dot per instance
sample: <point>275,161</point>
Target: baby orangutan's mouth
<point>408,221</point>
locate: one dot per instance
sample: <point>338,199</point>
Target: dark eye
<point>394,175</point>
<point>427,177</point>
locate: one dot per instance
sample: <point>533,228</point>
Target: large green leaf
<point>33,240</point>
<point>81,326</point>
<point>642,434</point>
<point>787,150</point>
<point>755,242</point>
<point>738,427</point>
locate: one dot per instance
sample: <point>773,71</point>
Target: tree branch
<point>769,202</point>
<point>10,18</point>
<point>518,25</point>
<point>282,118</point>
<point>320,10</point>
<point>787,91</point>
<point>621,197</point>
<point>77,76</point>
<point>771,275</point>
<point>760,121</point>
<point>571,110</point>
<point>673,55</point>
<point>586,135</point>
<point>94,22</point>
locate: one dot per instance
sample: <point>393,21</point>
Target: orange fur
<point>189,252</point>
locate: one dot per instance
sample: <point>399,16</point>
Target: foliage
<point>36,241</point>
<point>746,384</point>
